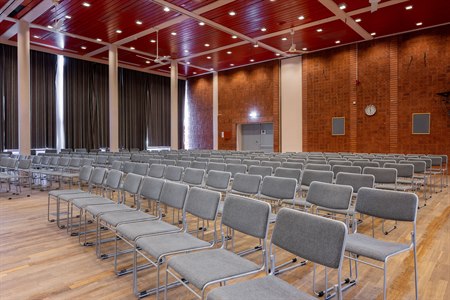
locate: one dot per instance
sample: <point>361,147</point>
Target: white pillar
<point>23,72</point>
<point>113,100</point>
<point>215,110</point>
<point>291,105</point>
<point>174,105</point>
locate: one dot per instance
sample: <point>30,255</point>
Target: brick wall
<point>200,110</point>
<point>400,75</point>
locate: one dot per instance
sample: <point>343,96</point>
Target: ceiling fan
<point>163,59</point>
<point>374,5</point>
<point>293,49</point>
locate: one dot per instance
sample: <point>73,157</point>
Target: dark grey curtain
<point>181,96</point>
<point>9,126</point>
<point>43,100</point>
<point>144,109</point>
<point>86,104</point>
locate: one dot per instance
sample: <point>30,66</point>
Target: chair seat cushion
<point>83,202</point>
<point>372,248</point>
<point>386,186</point>
<point>115,218</point>
<point>201,267</point>
<point>268,287</point>
<point>350,211</point>
<point>297,201</point>
<point>71,197</point>
<point>169,243</point>
<point>132,231</point>
<point>57,193</point>
<point>95,210</point>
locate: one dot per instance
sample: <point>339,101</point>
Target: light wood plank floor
<point>40,261</point>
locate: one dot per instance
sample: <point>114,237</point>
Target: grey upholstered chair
<point>347,169</point>
<point>193,177</point>
<point>385,178</point>
<point>236,168</point>
<point>263,171</point>
<point>156,170</point>
<point>218,181</point>
<point>318,167</point>
<point>174,173</point>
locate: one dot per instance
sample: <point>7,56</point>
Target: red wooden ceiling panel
<point>2,3</point>
<point>4,26</point>
<point>312,40</point>
<point>251,16</point>
<point>189,36</point>
<point>397,18</point>
<point>104,17</point>
<point>187,70</point>
<point>28,5</point>
<point>191,4</point>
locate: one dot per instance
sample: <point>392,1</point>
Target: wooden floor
<point>40,261</point>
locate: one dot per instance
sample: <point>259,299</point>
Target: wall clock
<point>370,110</point>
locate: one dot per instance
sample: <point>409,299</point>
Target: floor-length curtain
<point>9,126</point>
<point>158,115</point>
<point>86,102</point>
<point>43,100</point>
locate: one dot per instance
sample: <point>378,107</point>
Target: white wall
<point>291,104</point>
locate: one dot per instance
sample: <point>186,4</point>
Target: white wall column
<point>23,71</point>
<point>174,105</point>
<point>113,99</point>
<point>215,110</point>
<point>291,105</point>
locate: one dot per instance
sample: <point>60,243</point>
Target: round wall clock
<point>370,110</point>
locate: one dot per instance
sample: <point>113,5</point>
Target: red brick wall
<point>400,75</point>
<point>243,90</point>
<point>200,110</point>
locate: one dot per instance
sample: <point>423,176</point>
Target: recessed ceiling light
<point>234,37</point>
<point>170,67</point>
<point>419,24</point>
<point>206,45</point>
<point>231,65</point>
<point>132,48</point>
<point>36,36</point>
<point>264,29</point>
<point>277,54</point>
<point>201,23</point>
<point>256,45</point>
<point>229,52</point>
<point>252,60</point>
<point>152,41</point>
<point>50,26</point>
<point>305,49</point>
<point>118,31</point>
<point>301,17</point>
<point>194,73</point>
<point>138,22</point>
<point>166,9</point>
<point>188,62</point>
<point>338,42</point>
<point>68,17</point>
<point>186,51</point>
<point>373,33</point>
<point>99,40</point>
<point>232,13</point>
<point>409,7</point>
<point>284,39</point>
<point>147,61</point>
<point>173,33</point>
<point>212,69</point>
<point>342,6</point>
<point>319,30</point>
<point>208,57</point>
<point>83,47</point>
<point>86,4</point>
<point>358,20</point>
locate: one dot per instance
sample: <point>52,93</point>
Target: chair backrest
<point>183,163</point>
<point>98,175</point>
<point>140,169</point>
<point>246,215</point>
<point>419,166</point>
<point>288,173</point>
<point>260,170</point>
<point>347,169</point>
<point>131,183</point>
<point>363,164</point>
<point>292,165</point>
<point>174,194</point>
<point>151,188</point>
<point>152,161</point>
<point>202,203</point>
<point>236,168</point>
<point>315,238</point>
<point>216,160</point>
<point>87,161</point>
<point>316,161</point>
<point>156,170</point>
<point>329,195</point>
<point>128,167</point>
<point>113,179</point>
<point>169,162</point>
<point>251,162</point>
<point>233,161</point>
<point>319,167</point>
<point>273,164</point>
<point>75,162</point>
<point>193,176</point>
<point>382,175</point>
<point>436,161</point>
<point>198,165</point>
<point>356,181</point>
<point>218,180</point>
<point>316,175</point>
<point>382,162</point>
<point>278,187</point>
<point>85,173</point>
<point>173,173</point>
<point>403,170</point>
<point>64,161</point>
<point>24,164</point>
<point>215,166</point>
<point>36,160</point>
<point>116,165</point>
<point>246,184</point>
<point>390,205</point>
<point>101,159</point>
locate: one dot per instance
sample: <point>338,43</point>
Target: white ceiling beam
<point>334,8</point>
<point>217,26</point>
<point>380,5</point>
<point>8,8</point>
<point>38,10</point>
